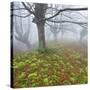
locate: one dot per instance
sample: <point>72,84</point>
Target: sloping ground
<point>57,66</point>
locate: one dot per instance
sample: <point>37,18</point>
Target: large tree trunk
<point>40,10</point>
<point>41,36</point>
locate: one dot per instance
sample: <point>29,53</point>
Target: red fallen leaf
<point>63,76</point>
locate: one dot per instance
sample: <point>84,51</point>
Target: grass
<point>60,65</point>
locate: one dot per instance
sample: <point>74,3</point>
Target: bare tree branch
<point>28,9</point>
<point>67,16</point>
<point>22,16</point>
<point>48,24</point>
<point>81,15</point>
<point>66,9</point>
<point>66,29</point>
<point>23,36</point>
<point>63,21</point>
<point>31,6</point>
<point>18,8</point>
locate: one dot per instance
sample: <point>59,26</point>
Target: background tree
<point>83,32</point>
<point>21,34</point>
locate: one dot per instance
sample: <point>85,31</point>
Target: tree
<point>55,30</point>
<point>39,15</point>
<point>23,36</point>
<point>83,32</point>
<point>39,11</point>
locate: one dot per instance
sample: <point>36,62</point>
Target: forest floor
<point>61,64</point>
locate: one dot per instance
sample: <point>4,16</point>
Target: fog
<point>65,31</point>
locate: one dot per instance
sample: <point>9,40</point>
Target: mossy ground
<point>59,65</point>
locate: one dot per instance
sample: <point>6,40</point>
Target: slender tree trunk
<point>41,36</point>
<point>28,45</point>
<point>62,33</point>
<point>55,37</point>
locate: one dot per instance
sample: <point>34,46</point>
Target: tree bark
<point>41,36</point>
<point>40,10</point>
